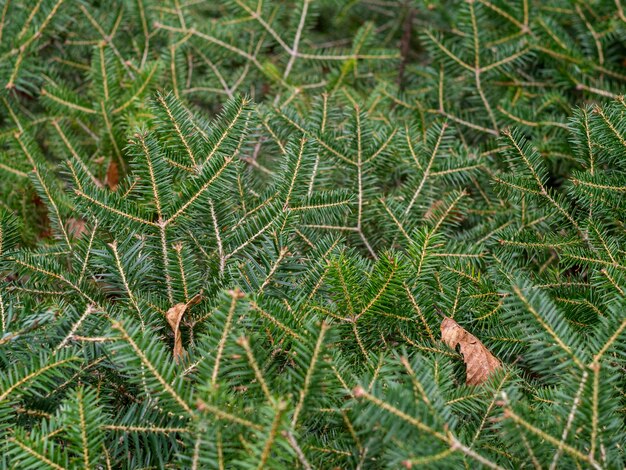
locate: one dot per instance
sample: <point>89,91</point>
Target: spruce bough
<point>226,231</point>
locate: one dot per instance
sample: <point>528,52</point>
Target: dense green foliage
<point>314,179</point>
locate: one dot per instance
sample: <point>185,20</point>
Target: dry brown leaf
<point>479,362</point>
<point>174,316</point>
<point>75,227</point>
<point>112,176</point>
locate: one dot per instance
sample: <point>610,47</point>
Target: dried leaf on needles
<point>76,227</point>
<point>174,316</point>
<point>113,176</point>
<point>479,362</point>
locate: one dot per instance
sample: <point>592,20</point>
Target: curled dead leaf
<point>76,227</point>
<point>174,316</point>
<point>113,176</point>
<point>479,362</point>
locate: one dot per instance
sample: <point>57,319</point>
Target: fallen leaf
<point>479,362</point>
<point>75,227</point>
<point>174,315</point>
<point>113,176</point>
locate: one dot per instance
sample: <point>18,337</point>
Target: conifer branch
<point>468,158</point>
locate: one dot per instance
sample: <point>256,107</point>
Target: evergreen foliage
<point>309,182</point>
